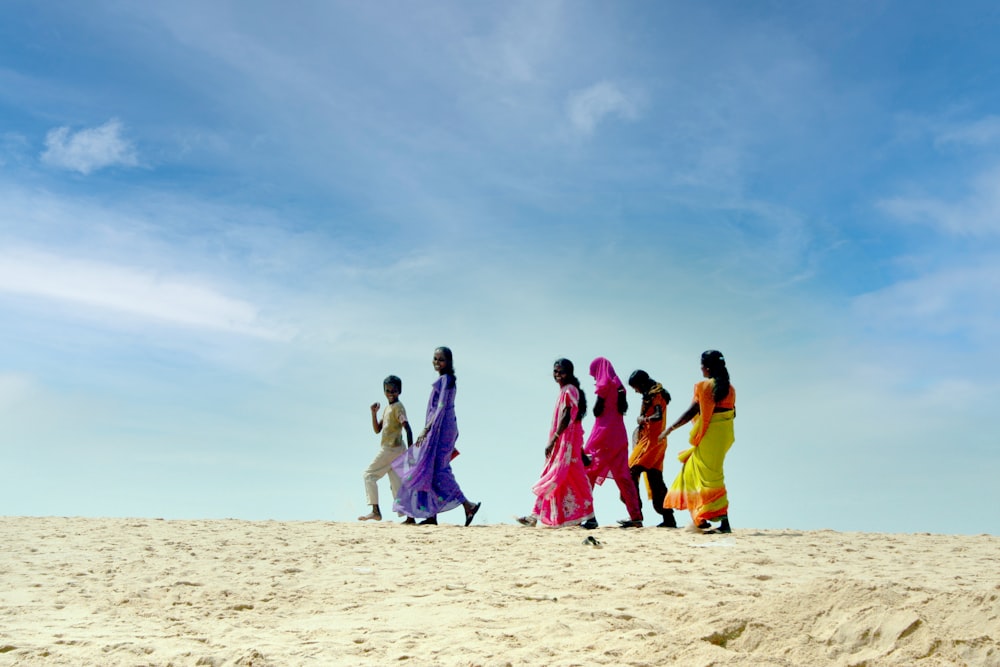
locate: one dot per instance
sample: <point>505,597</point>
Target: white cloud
<point>175,300</point>
<point>89,149</point>
<point>588,107</point>
<point>977,215</point>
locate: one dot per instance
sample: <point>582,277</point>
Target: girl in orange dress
<point>650,443</point>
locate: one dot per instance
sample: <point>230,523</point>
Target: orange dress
<point>649,449</point>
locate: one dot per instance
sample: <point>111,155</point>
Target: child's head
<point>393,387</point>
<point>639,380</point>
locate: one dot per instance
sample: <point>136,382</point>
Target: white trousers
<point>379,467</point>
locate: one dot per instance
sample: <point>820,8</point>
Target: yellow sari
<point>700,487</point>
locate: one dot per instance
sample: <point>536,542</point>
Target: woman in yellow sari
<point>700,487</point>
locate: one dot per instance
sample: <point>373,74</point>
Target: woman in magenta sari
<point>427,484</point>
<point>607,445</point>
<point>563,491</point>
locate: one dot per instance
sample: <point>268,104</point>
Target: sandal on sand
<point>589,524</point>
<point>722,529</point>
<point>432,521</point>
<point>410,521</point>
<point>723,526</point>
<point>470,514</point>
<point>630,523</point>
<point>528,521</point>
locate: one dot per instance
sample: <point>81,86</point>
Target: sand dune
<point>153,592</point>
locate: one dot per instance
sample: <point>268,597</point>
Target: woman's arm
<point>655,417</point>
<point>438,407</point>
<point>598,406</point>
<point>684,418</point>
<point>564,418</point>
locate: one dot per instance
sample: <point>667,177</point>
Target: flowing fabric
<point>607,445</point>
<point>563,492</point>
<point>700,487</point>
<point>427,484</point>
<point>649,449</point>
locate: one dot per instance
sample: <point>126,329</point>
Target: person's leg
<point>626,487</point>
<point>659,489</point>
<point>380,465</point>
<point>394,482</point>
<point>636,473</point>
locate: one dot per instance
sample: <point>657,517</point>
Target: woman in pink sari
<point>607,445</point>
<point>563,492</point>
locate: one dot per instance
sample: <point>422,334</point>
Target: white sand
<point>152,592</point>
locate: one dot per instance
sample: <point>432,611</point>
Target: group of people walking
<point>572,468</point>
<point>424,485</point>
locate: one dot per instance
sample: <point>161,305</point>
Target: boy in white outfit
<point>391,426</point>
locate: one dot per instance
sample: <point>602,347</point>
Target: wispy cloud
<point>589,107</point>
<point>953,300</point>
<point>13,147</point>
<point>14,388</point>
<point>521,42</point>
<point>175,300</point>
<point>976,215</point>
<point>979,133</point>
<point>89,149</point>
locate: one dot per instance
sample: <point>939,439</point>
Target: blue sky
<point>222,224</point>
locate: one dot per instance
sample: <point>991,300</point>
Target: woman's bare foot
<point>371,516</point>
<point>430,521</point>
<point>410,521</point>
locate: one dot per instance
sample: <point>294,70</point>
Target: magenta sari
<point>564,493</point>
<point>607,445</point>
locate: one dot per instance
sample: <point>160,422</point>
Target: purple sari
<point>427,484</point>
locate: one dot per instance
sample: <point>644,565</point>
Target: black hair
<point>715,364</point>
<point>622,399</point>
<point>394,381</point>
<point>567,367</point>
<point>640,380</point>
<point>450,370</point>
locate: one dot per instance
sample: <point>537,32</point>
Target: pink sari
<point>564,493</point>
<point>607,445</point>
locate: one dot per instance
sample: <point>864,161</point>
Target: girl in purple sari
<point>427,484</point>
